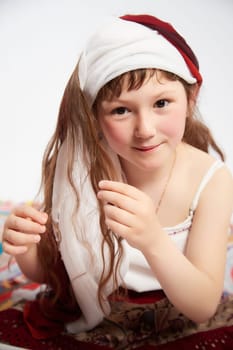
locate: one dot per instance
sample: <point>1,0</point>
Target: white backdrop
<point>39,43</point>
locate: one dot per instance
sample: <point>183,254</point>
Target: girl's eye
<point>161,103</point>
<point>119,110</point>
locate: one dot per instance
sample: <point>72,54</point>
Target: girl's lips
<point>147,148</point>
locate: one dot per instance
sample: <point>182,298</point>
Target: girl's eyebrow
<point>120,100</point>
<point>164,92</point>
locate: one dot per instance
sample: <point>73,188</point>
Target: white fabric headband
<point>120,46</point>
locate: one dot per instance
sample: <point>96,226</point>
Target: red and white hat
<point>132,42</point>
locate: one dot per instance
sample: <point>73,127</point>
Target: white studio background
<point>39,44</point>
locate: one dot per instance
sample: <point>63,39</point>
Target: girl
<point>132,197</point>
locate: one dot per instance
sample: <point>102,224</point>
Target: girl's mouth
<point>147,148</point>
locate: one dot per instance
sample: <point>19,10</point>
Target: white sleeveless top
<point>139,276</point>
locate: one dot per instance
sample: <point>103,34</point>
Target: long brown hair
<point>77,123</point>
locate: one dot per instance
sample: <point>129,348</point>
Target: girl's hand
<point>130,213</point>
<point>22,229</point>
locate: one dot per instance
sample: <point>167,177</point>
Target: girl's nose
<point>145,126</point>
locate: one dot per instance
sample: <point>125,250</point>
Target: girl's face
<point>143,126</point>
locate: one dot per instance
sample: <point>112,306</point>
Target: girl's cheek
<point>174,127</point>
<point>115,134</point>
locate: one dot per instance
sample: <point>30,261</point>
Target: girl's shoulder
<point>203,167</point>
<point>195,171</point>
<point>199,162</point>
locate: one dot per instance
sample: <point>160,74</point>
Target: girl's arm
<point>199,275</point>
<point>192,281</point>
<point>21,235</point>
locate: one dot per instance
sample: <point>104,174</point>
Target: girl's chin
<point>141,167</point>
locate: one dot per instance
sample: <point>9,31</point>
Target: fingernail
<point>99,195</point>
<point>37,239</point>
<point>44,217</point>
<point>102,183</point>
<point>42,229</point>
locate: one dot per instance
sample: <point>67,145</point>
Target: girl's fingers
<point>19,238</point>
<point>22,229</point>
<point>121,187</point>
<point>118,228</point>
<point>119,215</point>
<point>117,199</point>
<point>25,225</point>
<point>27,211</point>
<point>125,196</point>
<point>13,250</point>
